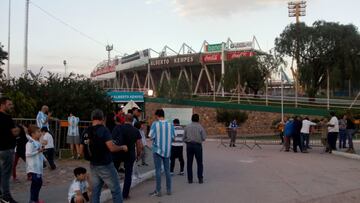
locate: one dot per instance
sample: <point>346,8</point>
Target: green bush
<point>226,116</point>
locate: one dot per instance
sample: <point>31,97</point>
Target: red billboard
<point>237,54</point>
<point>211,58</point>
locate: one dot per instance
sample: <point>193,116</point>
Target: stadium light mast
<point>109,48</point>
<point>297,9</point>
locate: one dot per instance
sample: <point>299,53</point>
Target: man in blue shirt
<point>162,133</point>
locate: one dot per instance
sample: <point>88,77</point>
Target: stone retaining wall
<point>258,123</point>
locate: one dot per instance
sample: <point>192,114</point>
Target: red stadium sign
<point>238,54</point>
<point>211,58</point>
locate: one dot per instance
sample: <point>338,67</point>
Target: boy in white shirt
<point>305,133</point>
<point>34,162</point>
<point>79,189</point>
<point>333,131</point>
<point>48,141</point>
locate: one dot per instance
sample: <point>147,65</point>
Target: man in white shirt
<point>305,133</point>
<point>333,131</point>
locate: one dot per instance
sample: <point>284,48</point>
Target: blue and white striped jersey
<point>41,120</point>
<point>162,133</point>
<point>73,128</point>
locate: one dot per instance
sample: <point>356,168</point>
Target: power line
<point>70,26</point>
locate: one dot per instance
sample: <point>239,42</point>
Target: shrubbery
<point>226,116</point>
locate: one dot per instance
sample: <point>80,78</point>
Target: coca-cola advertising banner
<point>211,58</point>
<point>104,70</point>
<point>238,54</point>
<point>180,60</point>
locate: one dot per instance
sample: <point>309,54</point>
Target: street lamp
<point>65,63</point>
<point>296,9</point>
<point>109,48</point>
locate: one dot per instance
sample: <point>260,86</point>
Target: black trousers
<point>176,153</point>
<point>49,154</point>
<point>117,159</point>
<point>332,137</point>
<point>194,149</point>
<point>128,164</point>
<point>296,142</point>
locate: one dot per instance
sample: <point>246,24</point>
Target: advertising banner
<point>237,54</point>
<point>241,45</point>
<point>183,114</point>
<point>179,60</point>
<point>213,47</point>
<point>211,58</point>
<point>126,96</point>
<point>136,59</point>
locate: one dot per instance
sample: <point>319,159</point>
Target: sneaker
<point>181,173</point>
<point>155,194</point>
<point>201,181</point>
<point>168,192</point>
<point>8,200</point>
<point>190,181</point>
<point>172,173</point>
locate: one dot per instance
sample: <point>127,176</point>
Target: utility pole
<point>26,36</point>
<point>65,67</point>
<point>297,9</point>
<point>9,31</point>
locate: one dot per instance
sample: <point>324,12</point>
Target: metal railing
<point>58,128</point>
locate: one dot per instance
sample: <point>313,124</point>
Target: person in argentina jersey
<point>43,117</point>
<point>162,133</point>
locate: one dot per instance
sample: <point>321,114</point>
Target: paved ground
<point>56,183</point>
<point>267,175</point>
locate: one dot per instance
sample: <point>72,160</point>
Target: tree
<point>322,47</point>
<point>3,56</point>
<point>73,94</point>
<point>250,70</point>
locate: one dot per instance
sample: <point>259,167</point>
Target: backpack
<point>89,140</point>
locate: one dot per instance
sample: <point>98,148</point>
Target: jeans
<point>49,154</point>
<point>157,162</point>
<point>105,174</point>
<point>128,164</point>
<point>342,138</point>
<point>304,141</point>
<point>6,161</point>
<point>194,149</point>
<point>177,152</point>
<point>36,183</point>
<point>350,133</point>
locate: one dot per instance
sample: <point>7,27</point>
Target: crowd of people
<point>113,144</point>
<point>298,130</point>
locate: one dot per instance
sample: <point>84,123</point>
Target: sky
<point>132,25</point>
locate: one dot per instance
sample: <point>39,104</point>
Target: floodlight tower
<point>109,48</point>
<point>297,9</point>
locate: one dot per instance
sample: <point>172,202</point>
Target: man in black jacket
<point>130,136</point>
<point>296,134</point>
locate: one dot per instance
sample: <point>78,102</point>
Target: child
<point>48,141</point>
<point>34,162</point>
<point>79,188</point>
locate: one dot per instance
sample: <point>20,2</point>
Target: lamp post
<point>297,9</point>
<point>26,36</point>
<point>8,50</point>
<point>65,67</point>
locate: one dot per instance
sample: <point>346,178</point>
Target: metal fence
<point>58,128</point>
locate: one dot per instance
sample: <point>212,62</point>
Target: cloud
<point>221,7</point>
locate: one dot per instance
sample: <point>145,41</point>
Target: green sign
<point>214,47</point>
<point>126,96</point>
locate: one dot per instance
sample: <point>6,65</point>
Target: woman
<point>21,141</point>
<point>73,137</point>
